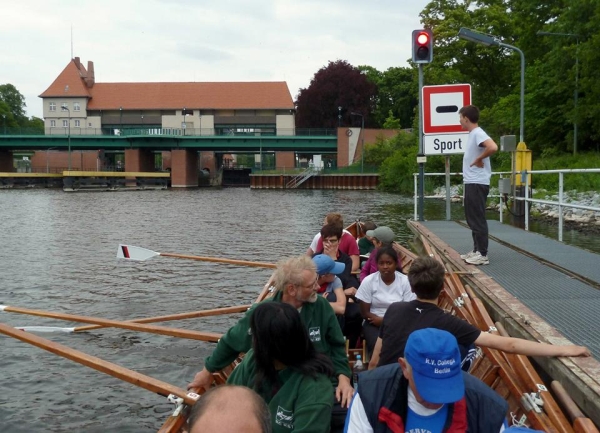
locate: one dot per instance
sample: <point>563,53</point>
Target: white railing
<point>561,204</point>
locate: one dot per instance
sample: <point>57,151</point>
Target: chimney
<point>77,61</point>
<point>91,78</point>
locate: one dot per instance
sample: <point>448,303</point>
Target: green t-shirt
<point>301,404</point>
<point>365,246</point>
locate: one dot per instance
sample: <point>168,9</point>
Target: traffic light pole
<point>421,156</point>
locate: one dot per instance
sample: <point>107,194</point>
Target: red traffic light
<point>423,38</point>
<point>422,46</point>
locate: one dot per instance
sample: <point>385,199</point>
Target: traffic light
<point>422,46</point>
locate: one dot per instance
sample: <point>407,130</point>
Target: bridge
<point>156,139</point>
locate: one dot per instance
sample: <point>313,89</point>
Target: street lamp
<point>480,38</point>
<point>362,132</point>
<point>120,120</point>
<point>339,116</point>
<point>183,123</point>
<point>4,117</point>
<point>571,35</point>
<point>68,134</point>
<point>47,164</point>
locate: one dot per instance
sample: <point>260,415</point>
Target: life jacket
<point>456,422</point>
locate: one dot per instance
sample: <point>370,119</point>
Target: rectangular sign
<point>445,144</point>
<point>441,105</point>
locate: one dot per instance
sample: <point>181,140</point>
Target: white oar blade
<point>131,252</point>
<point>44,329</point>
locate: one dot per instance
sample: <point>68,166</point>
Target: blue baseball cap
<point>326,265</point>
<point>435,360</point>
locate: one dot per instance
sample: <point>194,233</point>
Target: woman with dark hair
<point>377,291</point>
<point>284,368</point>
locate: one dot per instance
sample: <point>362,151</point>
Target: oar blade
<point>131,252</point>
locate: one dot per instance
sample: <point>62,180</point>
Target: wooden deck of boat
<point>539,288</point>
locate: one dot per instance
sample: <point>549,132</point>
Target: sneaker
<point>468,255</point>
<point>478,259</point>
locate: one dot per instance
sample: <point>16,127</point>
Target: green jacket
<point>323,328</point>
<point>302,404</point>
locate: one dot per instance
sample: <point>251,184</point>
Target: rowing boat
<point>531,402</point>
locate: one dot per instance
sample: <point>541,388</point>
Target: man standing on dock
<point>477,172</point>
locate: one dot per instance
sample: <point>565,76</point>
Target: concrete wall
<point>285,124</point>
<point>350,142</point>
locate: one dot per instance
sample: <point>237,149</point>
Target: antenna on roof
<point>71,41</point>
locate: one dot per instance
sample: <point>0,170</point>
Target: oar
<point>179,316</point>
<point>162,330</point>
<point>138,253</point>
<point>114,370</point>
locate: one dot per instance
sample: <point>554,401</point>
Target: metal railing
<point>561,203</point>
<point>302,177</point>
<point>179,132</point>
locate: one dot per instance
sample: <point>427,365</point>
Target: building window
<point>53,106</point>
<point>65,123</point>
<point>76,106</point>
<point>53,122</point>
<point>77,125</point>
<point>64,105</point>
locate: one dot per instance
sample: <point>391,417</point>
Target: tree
<point>339,84</point>
<point>15,101</point>
<point>396,93</point>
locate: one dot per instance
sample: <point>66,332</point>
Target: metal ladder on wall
<point>298,180</point>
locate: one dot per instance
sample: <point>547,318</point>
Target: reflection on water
<point>58,254</point>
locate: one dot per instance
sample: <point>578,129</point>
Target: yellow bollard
<point>523,162</point>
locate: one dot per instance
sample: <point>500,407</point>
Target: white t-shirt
<point>359,423</point>
<point>473,149</point>
<point>374,291</point>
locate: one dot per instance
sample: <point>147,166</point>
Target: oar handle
<point>219,260</point>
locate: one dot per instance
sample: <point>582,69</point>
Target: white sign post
<point>442,131</point>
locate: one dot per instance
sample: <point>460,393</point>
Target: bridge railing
<point>179,132</point>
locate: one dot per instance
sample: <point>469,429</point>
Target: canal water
<point>58,253</point>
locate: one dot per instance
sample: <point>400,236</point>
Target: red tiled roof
<point>68,83</point>
<point>148,96</point>
<point>226,95</point>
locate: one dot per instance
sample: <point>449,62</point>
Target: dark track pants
<point>475,198</point>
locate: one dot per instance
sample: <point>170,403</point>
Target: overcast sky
<point>196,40</point>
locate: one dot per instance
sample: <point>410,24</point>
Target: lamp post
<point>120,120</point>
<point>480,38</point>
<point>362,133</point>
<point>339,116</point>
<point>4,117</point>
<point>47,164</point>
<point>571,35</point>
<point>68,134</point>
<point>183,122</point>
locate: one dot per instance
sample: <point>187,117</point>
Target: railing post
<point>415,196</point>
<point>526,200</point>
<point>560,207</point>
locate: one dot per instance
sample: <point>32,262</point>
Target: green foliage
<point>572,181</point>
<point>391,122</point>
<point>396,170</point>
<point>10,96</point>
